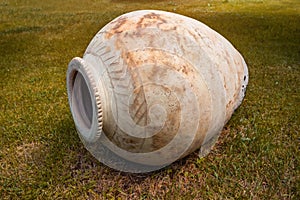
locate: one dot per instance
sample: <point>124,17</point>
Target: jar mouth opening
<point>81,101</point>
<point>84,100</point>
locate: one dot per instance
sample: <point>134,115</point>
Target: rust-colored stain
<point>150,19</point>
<point>117,28</point>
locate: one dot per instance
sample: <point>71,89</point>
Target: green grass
<point>41,156</point>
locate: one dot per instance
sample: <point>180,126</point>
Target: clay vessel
<point>152,87</point>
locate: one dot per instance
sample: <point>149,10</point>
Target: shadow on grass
<point>67,159</point>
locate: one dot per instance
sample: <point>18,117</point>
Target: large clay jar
<point>153,87</point>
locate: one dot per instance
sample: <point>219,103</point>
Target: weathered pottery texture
<point>152,87</point>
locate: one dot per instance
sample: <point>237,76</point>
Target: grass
<point>41,156</point>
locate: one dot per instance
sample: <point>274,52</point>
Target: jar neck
<point>85,99</point>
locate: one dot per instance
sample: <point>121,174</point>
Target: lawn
<point>42,157</point>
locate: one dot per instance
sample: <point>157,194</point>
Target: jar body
<point>153,87</point>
